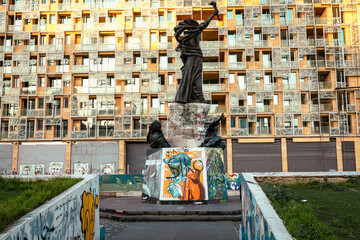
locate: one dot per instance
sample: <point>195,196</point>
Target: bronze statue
<point>190,88</point>
<point>155,136</point>
<point>211,137</point>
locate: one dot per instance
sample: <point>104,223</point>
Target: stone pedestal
<point>186,124</point>
<point>190,174</point>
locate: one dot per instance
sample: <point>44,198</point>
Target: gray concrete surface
<point>170,230</point>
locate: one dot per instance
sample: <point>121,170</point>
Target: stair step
<point>175,212</point>
<point>145,218</point>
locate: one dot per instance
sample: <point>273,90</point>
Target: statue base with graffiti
<point>185,174</point>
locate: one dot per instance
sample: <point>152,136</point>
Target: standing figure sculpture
<point>190,88</point>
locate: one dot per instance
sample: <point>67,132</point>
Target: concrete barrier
<point>74,214</point>
<point>259,219</point>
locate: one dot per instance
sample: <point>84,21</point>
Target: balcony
<point>10,113</point>
<point>46,48</point>
<point>79,134</point>
<point>214,87</point>
<point>15,28</point>
<point>52,112</point>
<point>215,108</point>
<point>53,91</point>
<point>29,90</point>
<point>80,68</point>
<point>311,63</point>
<point>263,130</point>
<point>264,108</point>
<point>321,20</point>
<point>237,65</point>
<point>328,107</point>
<point>267,64</point>
<point>213,65</point>
<point>325,85</point>
<point>108,111</point>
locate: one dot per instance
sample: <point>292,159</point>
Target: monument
<point>188,166</point>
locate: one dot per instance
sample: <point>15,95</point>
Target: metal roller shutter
<point>348,154</point>
<point>136,156</point>
<point>311,157</point>
<point>256,157</point>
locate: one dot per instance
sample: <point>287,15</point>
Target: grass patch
<point>19,197</point>
<point>318,210</point>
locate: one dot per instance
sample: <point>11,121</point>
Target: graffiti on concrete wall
<point>56,168</point>
<point>121,182</point>
<point>72,215</point>
<point>215,174</point>
<point>152,178</point>
<point>87,214</point>
<point>107,168</point>
<point>31,169</point>
<point>184,175</point>
<point>253,224</point>
<point>81,168</point>
<point>233,181</point>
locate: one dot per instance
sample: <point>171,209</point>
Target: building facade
<point>92,75</point>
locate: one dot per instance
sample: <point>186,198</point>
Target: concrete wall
<point>6,156</point>
<point>49,156</point>
<point>74,214</point>
<point>258,220</point>
<point>100,156</point>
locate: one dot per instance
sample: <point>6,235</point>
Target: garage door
<point>6,155</point>
<point>348,154</point>
<point>311,157</point>
<point>136,156</point>
<point>256,157</point>
<point>100,157</point>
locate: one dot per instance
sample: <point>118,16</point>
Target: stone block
<point>186,124</point>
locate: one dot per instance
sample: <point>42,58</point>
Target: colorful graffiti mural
<point>183,175</point>
<point>31,169</point>
<point>233,181</point>
<point>107,168</point>
<point>87,214</point>
<point>81,168</point>
<point>73,214</point>
<point>121,182</point>
<point>253,224</point>
<point>216,174</point>
<point>56,168</point>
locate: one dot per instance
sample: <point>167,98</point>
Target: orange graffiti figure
<point>87,214</point>
<point>193,188</point>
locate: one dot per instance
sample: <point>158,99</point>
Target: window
<point>43,40</point>
<point>241,82</point>
<point>232,122</point>
<point>42,61</point>
<point>40,103</point>
<point>257,79</point>
<point>153,60</point>
<point>230,15</point>
<point>276,99</point>
<point>248,58</point>
<point>52,19</point>
<point>250,100</point>
<point>16,82</point>
<point>303,98</point>
<point>170,79</point>
<point>39,124</point>
<point>169,16</point>
<point>41,82</point>
<point>67,39</point>
<point>257,56</point>
<point>153,37</point>
<point>248,37</point>
<point>231,78</point>
<point>242,123</point>
<point>66,103</point>
<point>272,36</point>
<point>48,127</point>
<point>231,39</point>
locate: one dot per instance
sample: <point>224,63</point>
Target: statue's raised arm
<point>190,88</point>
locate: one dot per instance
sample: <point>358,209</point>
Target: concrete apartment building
<point>82,80</point>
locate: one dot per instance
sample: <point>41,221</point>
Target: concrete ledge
<point>74,214</point>
<point>258,213</point>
